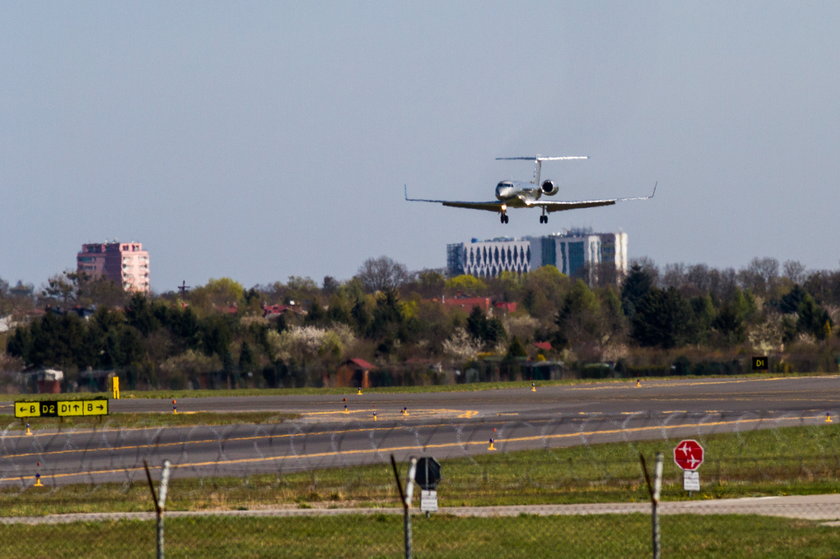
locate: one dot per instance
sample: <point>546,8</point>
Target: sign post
<point>427,476</point>
<point>689,455</point>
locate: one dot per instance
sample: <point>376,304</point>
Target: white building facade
<point>576,253</point>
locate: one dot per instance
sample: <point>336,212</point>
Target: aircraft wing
<point>490,206</point>
<point>559,206</point>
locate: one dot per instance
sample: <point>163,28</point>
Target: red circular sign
<point>688,454</point>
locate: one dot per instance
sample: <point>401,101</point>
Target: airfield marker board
<point>62,408</point>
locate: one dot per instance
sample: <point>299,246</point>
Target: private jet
<point>521,194</point>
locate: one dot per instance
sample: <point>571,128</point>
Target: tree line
<point>681,318</point>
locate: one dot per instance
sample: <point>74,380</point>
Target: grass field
<point>136,420</point>
<point>465,387</point>
<point>441,537</point>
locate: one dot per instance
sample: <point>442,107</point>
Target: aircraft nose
<point>503,190</point>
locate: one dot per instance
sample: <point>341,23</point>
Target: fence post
<point>654,489</point>
<point>406,498</point>
<point>159,501</point>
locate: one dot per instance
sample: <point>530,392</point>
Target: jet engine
<point>549,188</point>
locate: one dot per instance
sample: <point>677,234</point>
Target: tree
<point>488,331</point>
<point>761,276</point>
<point>813,319</point>
<point>217,294</point>
<point>381,274</point>
<point>465,285</point>
<point>663,318</point>
<point>579,319</point>
<point>639,283</point>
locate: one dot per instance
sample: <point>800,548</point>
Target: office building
<point>579,253</point>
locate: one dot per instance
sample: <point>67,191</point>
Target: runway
<point>450,424</point>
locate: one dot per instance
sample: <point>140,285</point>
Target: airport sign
<point>688,454</point>
<point>61,408</point>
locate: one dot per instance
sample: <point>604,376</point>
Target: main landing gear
<point>504,218</point>
<point>544,216</point>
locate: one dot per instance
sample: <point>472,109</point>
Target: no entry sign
<point>688,454</point>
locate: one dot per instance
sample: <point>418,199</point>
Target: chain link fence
<point>768,489</point>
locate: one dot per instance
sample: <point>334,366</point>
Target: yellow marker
<point>374,416</point>
<point>38,481</point>
<point>638,383</point>
<point>359,391</point>
<point>346,410</point>
<point>491,446</point>
<point>828,417</point>
<point>115,387</point>
<point>533,387</point>
<point>28,430</point>
<point>174,407</point>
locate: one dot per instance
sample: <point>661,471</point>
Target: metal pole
<point>159,501</point>
<point>405,498</point>
<point>657,489</point>
<point>654,489</point>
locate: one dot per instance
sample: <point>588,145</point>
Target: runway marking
<point>462,444</point>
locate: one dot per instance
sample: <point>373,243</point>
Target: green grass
<point>440,537</point>
<point>467,387</point>
<point>794,460</point>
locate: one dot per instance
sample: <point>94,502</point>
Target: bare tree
<point>794,271</point>
<point>382,274</point>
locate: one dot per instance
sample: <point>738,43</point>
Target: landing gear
<point>504,218</point>
<point>544,217</point>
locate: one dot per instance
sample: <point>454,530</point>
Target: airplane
<point>521,194</point>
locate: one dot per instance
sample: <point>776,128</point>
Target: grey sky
<point>259,140</point>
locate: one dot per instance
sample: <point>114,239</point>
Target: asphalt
<point>450,424</point>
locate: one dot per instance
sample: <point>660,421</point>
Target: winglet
<point>652,194</point>
<point>405,191</point>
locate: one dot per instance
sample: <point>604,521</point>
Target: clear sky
<point>261,140</point>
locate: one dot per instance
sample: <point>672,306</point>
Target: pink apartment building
<point>127,264</point>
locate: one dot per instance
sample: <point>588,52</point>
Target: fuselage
<point>517,193</point>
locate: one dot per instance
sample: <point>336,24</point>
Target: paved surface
<point>811,507</point>
<point>451,424</point>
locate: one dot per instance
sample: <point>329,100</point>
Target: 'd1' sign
<point>688,454</point>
